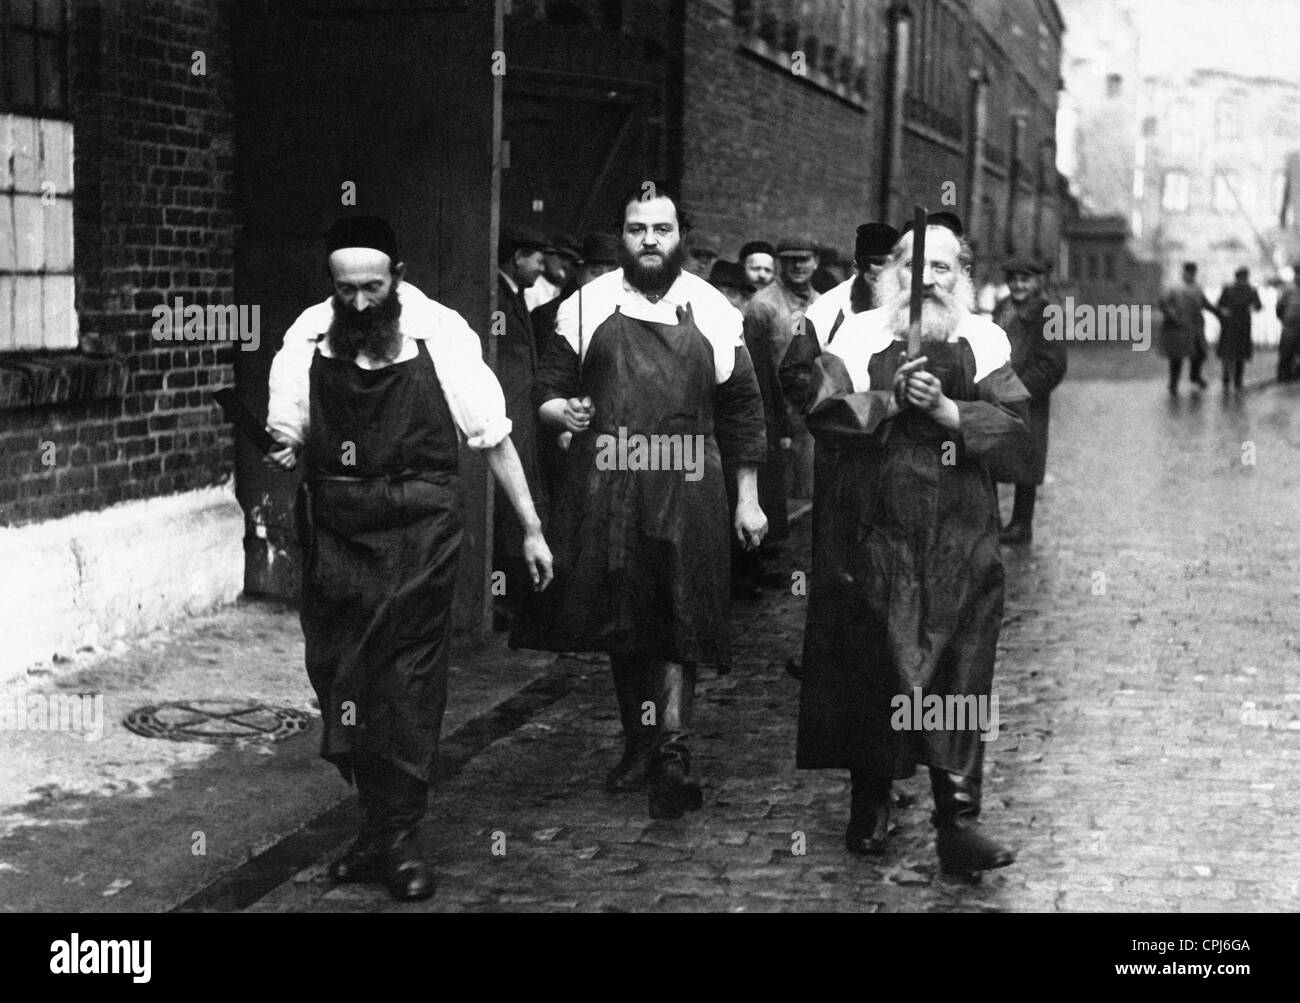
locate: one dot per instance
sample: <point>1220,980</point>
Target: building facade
<point>1183,119</point>
<point>170,169</point>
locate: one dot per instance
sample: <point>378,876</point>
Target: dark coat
<point>516,368</point>
<point>907,579</point>
<point>1236,303</point>
<point>1182,330</point>
<point>1039,363</point>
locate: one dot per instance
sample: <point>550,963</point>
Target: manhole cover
<point>216,721</point>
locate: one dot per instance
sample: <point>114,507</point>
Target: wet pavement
<point>1149,688</point>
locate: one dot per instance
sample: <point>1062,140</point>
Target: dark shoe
<point>900,799</point>
<point>672,791</point>
<point>363,862</point>
<point>405,871</point>
<point>868,831</point>
<point>963,850</point>
<point>632,770</point>
<point>1016,533</point>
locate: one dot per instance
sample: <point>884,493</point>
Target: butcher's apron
<point>380,523</point>
<point>641,556</point>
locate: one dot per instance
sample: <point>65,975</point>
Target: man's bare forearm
<point>747,485</point>
<point>503,460</point>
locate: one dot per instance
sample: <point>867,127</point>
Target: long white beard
<point>939,317</point>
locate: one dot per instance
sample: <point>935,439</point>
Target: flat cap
<point>802,243</point>
<point>1029,266</point>
<point>524,238</point>
<point>702,240</point>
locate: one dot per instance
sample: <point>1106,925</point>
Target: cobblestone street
<point>1149,687</point>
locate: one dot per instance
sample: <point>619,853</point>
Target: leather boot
<point>363,861</point>
<point>630,687</point>
<point>963,849</point>
<point>868,831</point>
<point>672,791</point>
<point>404,868</point>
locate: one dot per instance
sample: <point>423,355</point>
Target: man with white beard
<point>906,591</point>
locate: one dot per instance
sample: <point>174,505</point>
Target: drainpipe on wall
<point>900,38</point>
<point>976,126</point>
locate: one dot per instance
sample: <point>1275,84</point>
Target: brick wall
<point>153,220</point>
<point>767,154</point>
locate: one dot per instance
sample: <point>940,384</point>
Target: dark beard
<point>862,294</point>
<point>376,332</point>
<point>652,281</point>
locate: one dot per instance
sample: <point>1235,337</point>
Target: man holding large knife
<point>373,388</point>
<point>908,405</point>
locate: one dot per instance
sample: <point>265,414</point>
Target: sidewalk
<point>111,824</point>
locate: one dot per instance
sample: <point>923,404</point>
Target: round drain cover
<point>216,721</point>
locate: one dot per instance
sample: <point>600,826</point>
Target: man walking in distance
<point>373,388</point>
<point>1040,366</point>
<point>1236,303</point>
<point>1182,334</point>
<point>649,352</point>
<point>1288,312</point>
<point>906,591</point>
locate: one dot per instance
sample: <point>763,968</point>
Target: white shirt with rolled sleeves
<point>470,387</point>
<point>862,335</point>
<point>716,318</point>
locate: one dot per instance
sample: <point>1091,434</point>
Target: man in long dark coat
<point>520,263</point>
<point>1040,364</point>
<point>651,376</point>
<point>375,388</point>
<point>1236,303</point>
<point>905,598</point>
<point>1182,330</point>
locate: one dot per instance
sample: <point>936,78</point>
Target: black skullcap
<point>875,240</point>
<point>362,231</point>
<point>947,220</point>
<point>757,247</point>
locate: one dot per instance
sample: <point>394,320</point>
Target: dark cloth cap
<point>523,238</point>
<point>947,220</point>
<point>1190,266</point>
<point>729,273</point>
<point>756,247</point>
<point>362,231</point>
<point>800,244</point>
<point>600,248</point>
<point>702,240</point>
<point>874,240</point>
<point>563,243</point>
<point>1027,265</point>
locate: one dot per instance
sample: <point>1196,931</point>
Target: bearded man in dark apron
<point>650,373</point>
<point>374,388</point>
